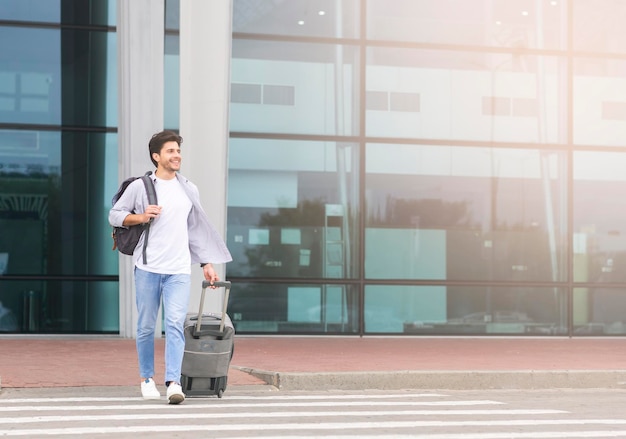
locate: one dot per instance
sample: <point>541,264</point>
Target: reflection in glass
<point>93,78</point>
<point>31,10</point>
<point>65,235</point>
<point>30,76</point>
<point>599,26</point>
<point>30,175</point>
<point>440,310</point>
<point>297,308</point>
<point>599,311</point>
<point>414,93</point>
<point>500,23</point>
<point>284,87</point>
<point>310,18</point>
<point>21,306</point>
<point>53,216</point>
<point>171,96</point>
<point>599,209</point>
<point>296,216</point>
<point>84,12</point>
<point>599,97</point>
<point>55,307</point>
<point>37,87</point>
<point>172,15</point>
<point>458,213</point>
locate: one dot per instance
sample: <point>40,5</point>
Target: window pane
<point>599,211</point>
<point>305,88</point>
<point>30,172</point>
<point>285,308</point>
<point>89,12</point>
<point>31,10</point>
<point>30,76</point>
<point>172,15</point>
<point>55,197</point>
<point>171,97</point>
<point>53,307</point>
<point>89,83</point>
<point>80,238</point>
<point>21,308</point>
<point>84,12</point>
<point>296,216</point>
<point>456,213</point>
<point>599,26</point>
<point>466,96</point>
<point>37,86</point>
<point>440,310</point>
<point>311,18</point>
<point>500,23</point>
<point>599,102</point>
<point>599,311</point>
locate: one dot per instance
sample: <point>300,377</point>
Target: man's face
<point>169,159</point>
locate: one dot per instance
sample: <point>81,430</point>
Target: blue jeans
<point>174,290</point>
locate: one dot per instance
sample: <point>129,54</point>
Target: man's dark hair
<point>159,139</point>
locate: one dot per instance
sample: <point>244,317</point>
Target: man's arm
<point>121,214</point>
<point>132,219</point>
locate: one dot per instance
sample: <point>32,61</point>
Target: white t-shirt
<point>168,241</point>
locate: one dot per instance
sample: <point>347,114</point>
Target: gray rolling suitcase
<point>209,343</point>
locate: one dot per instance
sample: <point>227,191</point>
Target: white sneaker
<point>149,389</point>
<point>175,394</point>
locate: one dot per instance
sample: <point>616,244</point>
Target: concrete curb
<point>429,380</point>
<point>450,380</point>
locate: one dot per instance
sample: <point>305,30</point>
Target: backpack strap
<point>152,199</point>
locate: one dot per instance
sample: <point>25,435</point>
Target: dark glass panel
<point>89,12</point>
<point>59,307</point>
<point>56,192</point>
<point>89,78</point>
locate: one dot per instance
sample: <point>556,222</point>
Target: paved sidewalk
<point>319,363</point>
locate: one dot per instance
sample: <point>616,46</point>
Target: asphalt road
<point>259,411</point>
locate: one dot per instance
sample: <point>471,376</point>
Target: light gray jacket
<point>205,243</point>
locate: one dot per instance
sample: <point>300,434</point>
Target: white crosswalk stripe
<point>236,398</point>
<point>358,415</point>
<point>246,405</point>
<point>265,415</point>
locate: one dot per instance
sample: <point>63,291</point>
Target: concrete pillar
<point>140,33</point>
<point>205,51</point>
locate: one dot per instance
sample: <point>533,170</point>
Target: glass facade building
<point>395,167</point>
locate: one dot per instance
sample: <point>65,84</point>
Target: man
<point>180,235</point>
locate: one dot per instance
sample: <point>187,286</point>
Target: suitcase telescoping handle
<point>219,284</point>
